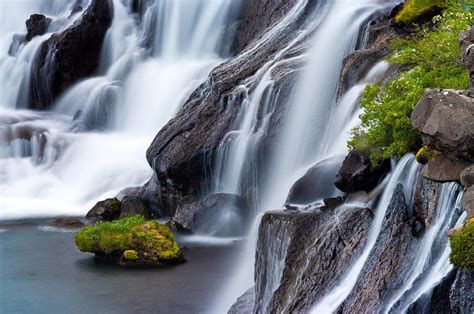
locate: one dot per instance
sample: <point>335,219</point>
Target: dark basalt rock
<point>445,119</point>
<point>183,152</point>
<point>70,55</point>
<point>106,210</point>
<point>315,184</point>
<point>357,173</point>
<point>309,250</point>
<point>36,25</point>
<point>462,293</point>
<point>219,214</point>
<point>441,168</point>
<point>132,206</point>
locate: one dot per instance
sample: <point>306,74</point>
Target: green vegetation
<point>430,59</point>
<point>414,9</point>
<point>462,246</point>
<point>132,237</point>
<point>423,155</point>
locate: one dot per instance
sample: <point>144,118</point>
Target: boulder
<point>445,119</point>
<point>467,177</point>
<point>132,206</point>
<point>357,173</point>
<point>131,242</point>
<point>467,52</point>
<point>217,214</point>
<point>440,168</point>
<point>315,184</point>
<point>70,55</point>
<point>36,25</point>
<point>468,201</point>
<point>106,210</point>
<point>66,222</point>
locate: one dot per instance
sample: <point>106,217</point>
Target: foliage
<point>127,235</point>
<point>462,246</point>
<point>430,59</point>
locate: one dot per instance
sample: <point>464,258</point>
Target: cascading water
<point>51,161</point>
<point>318,84</point>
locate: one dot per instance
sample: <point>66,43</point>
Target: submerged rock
<point>131,242</point>
<point>445,119</point>
<point>218,214</point>
<point>66,222</point>
<point>70,55</point>
<point>106,210</point>
<point>357,173</point>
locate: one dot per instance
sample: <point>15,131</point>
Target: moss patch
<point>462,246</point>
<point>424,155</point>
<point>133,238</point>
<point>415,10</point>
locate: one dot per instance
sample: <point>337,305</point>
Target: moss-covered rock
<point>131,241</point>
<point>462,246</point>
<point>423,155</point>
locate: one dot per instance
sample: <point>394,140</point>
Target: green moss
<point>431,60</point>
<point>462,246</point>
<point>414,9</point>
<point>130,234</point>
<point>130,255</point>
<point>424,155</point>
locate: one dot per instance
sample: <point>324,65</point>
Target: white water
<point>65,167</point>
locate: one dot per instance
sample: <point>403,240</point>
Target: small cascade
<point>92,143</point>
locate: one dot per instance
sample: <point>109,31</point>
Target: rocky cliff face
<point>70,55</point>
<point>182,153</point>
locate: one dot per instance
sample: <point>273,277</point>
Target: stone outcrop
<point>313,186</point>
<point>357,173</point>
<point>36,25</point>
<point>445,119</point>
<point>70,55</point>
<point>467,177</point>
<point>468,201</point>
<point>443,169</point>
<point>219,214</point>
<point>244,304</point>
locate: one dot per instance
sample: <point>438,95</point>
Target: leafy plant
<point>431,59</point>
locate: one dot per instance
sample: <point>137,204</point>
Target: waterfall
<point>92,143</point>
<point>403,173</point>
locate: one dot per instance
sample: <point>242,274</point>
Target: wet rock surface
<point>462,292</point>
<point>335,238</point>
<point>313,186</point>
<point>218,214</point>
<point>244,304</point>
<point>357,173</point>
<point>66,222</point>
<point>36,25</point>
<point>183,152</point>
<point>70,55</point>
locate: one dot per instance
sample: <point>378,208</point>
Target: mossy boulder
<point>462,246</point>
<point>131,241</point>
<point>423,155</point>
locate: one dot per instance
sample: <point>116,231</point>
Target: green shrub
<point>462,246</point>
<point>431,60</point>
